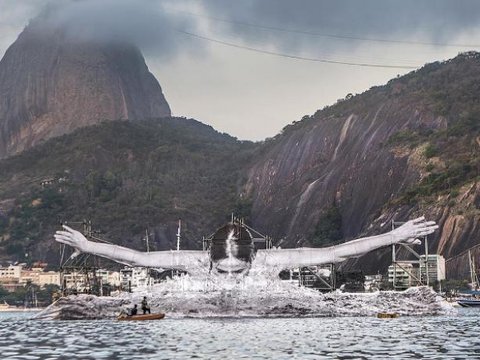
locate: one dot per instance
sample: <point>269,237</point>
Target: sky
<point>251,67</point>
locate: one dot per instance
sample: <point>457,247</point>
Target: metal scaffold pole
<point>427,275</point>
<point>419,279</point>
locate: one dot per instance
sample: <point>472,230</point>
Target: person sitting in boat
<point>145,306</point>
<point>134,310</point>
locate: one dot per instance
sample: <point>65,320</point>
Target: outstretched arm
<point>182,260</point>
<point>288,258</point>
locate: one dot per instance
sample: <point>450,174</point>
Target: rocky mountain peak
<point>52,83</point>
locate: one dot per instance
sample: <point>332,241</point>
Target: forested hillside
<point>125,177</point>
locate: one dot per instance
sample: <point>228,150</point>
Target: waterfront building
<point>10,284</point>
<point>132,278</point>
<point>400,275</point>
<point>81,281</point>
<point>11,271</point>
<point>10,277</point>
<point>39,277</point>
<point>435,268</point>
<point>48,278</point>
<point>15,276</point>
<point>76,281</point>
<point>108,277</point>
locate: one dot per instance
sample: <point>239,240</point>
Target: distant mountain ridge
<point>52,84</point>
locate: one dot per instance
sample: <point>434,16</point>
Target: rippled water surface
<point>453,336</point>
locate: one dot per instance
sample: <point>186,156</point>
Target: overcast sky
<point>216,62</point>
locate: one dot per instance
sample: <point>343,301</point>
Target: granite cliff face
<point>405,149</point>
<point>52,84</point>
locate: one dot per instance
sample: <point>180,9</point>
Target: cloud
<point>13,16</point>
<point>153,24</point>
<point>433,21</point>
<point>147,24</point>
<point>248,94</point>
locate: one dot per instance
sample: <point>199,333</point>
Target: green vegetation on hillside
<point>22,296</point>
<point>125,177</point>
<point>329,228</point>
<point>449,90</point>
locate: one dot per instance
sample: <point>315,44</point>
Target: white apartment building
<point>49,278</point>
<point>108,277</point>
<point>75,280</point>
<point>14,276</point>
<point>11,271</point>
<point>435,268</point>
<point>400,275</point>
<point>135,277</point>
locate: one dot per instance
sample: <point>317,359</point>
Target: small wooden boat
<point>157,316</point>
<point>387,315</point>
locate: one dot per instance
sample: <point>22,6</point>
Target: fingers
<point>66,237</point>
<point>75,254</point>
<point>63,239</point>
<point>426,230</point>
<point>73,234</point>
<point>60,239</point>
<point>413,241</point>
<point>425,225</point>
<point>429,228</point>
<point>419,220</point>
<point>69,229</point>
<point>64,233</point>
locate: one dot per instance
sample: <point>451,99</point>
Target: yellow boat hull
<point>387,315</point>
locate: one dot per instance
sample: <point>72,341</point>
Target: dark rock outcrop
<point>52,84</point>
<point>333,160</point>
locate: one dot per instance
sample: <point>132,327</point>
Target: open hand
<point>414,228</point>
<point>73,238</point>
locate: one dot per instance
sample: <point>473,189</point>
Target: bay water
<point>435,337</point>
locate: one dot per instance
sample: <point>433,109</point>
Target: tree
<point>329,227</point>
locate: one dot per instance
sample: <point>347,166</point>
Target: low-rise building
<point>108,277</point>
<point>15,276</point>
<point>76,281</point>
<point>49,278</point>
<point>11,271</point>
<point>10,284</point>
<point>434,267</point>
<point>135,277</point>
<point>10,277</point>
<point>400,275</point>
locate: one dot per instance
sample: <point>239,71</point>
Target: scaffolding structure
<point>312,276</point>
<point>78,273</point>
<point>418,278</point>
<point>259,240</point>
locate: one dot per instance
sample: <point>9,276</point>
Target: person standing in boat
<point>145,306</point>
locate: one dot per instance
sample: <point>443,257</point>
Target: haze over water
<point>452,336</point>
